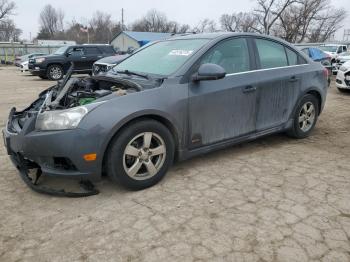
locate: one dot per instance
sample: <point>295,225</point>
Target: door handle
<point>249,89</point>
<point>83,57</point>
<point>293,79</point>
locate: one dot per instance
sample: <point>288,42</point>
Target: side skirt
<point>186,154</point>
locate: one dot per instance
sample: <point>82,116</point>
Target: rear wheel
<point>55,72</point>
<point>141,154</point>
<point>305,117</point>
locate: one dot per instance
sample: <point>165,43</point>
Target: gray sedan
<point>172,100</point>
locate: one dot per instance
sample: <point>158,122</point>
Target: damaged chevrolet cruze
<point>171,100</point>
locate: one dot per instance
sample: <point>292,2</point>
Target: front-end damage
<point>42,139</point>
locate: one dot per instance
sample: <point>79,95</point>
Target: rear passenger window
<point>92,51</point>
<point>292,57</point>
<point>232,55</point>
<point>271,54</point>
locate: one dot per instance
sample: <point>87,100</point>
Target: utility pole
<point>122,19</point>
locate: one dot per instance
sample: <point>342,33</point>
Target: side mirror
<point>209,72</point>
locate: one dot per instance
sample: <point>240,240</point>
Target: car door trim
<point>265,69</point>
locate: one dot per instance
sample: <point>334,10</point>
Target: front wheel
<point>140,155</point>
<point>55,72</point>
<point>305,117</point>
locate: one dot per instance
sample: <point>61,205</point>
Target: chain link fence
<point>8,52</point>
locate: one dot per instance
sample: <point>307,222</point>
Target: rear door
<point>92,53</point>
<point>279,77</point>
<point>226,108</point>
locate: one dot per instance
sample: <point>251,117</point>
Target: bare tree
<point>51,21</point>
<point>311,20</point>
<point>205,26</point>
<point>6,9</point>
<point>238,22</point>
<point>155,21</point>
<point>326,25</point>
<point>9,31</point>
<point>102,28</point>
<point>268,12</point>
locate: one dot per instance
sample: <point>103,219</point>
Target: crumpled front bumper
<point>56,153</point>
<point>341,81</point>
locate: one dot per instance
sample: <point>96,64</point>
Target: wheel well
<point>319,99</point>
<point>158,118</point>
<point>54,64</point>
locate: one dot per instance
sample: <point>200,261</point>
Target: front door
<point>77,56</point>
<point>225,108</point>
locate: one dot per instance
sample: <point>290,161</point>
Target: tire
<point>140,166</point>
<point>308,109</point>
<point>55,72</point>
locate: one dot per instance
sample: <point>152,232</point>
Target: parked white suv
<point>334,50</point>
<point>343,77</point>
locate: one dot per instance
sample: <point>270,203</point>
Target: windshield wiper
<point>128,72</point>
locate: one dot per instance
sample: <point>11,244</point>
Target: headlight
<point>60,119</point>
<point>39,60</point>
<point>343,68</point>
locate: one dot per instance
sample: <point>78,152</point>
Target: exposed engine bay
<point>82,91</point>
<point>73,92</point>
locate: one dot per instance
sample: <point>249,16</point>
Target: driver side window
<point>232,55</point>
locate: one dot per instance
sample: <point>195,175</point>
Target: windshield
<point>162,58</point>
<point>329,48</point>
<point>61,50</point>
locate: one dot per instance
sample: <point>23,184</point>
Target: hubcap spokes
<point>307,116</point>
<point>144,156</point>
<point>55,72</point>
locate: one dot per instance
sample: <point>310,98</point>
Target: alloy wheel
<point>307,116</point>
<point>144,156</point>
<point>55,72</point>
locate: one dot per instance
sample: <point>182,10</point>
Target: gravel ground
<point>274,199</point>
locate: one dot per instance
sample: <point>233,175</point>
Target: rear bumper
<point>56,153</point>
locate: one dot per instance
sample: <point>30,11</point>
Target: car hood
<point>111,59</point>
<point>347,65</point>
<point>344,58</point>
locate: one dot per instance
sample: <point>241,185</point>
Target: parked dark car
<point>105,64</point>
<point>172,100</point>
<point>318,55</point>
<point>56,65</point>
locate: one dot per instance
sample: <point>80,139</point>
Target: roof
<point>145,36</point>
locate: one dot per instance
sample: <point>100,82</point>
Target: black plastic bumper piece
<point>23,167</point>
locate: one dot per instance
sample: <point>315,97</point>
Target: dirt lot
<point>275,199</point>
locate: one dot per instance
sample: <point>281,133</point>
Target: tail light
<point>325,73</point>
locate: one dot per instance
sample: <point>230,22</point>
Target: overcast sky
<point>182,11</point>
